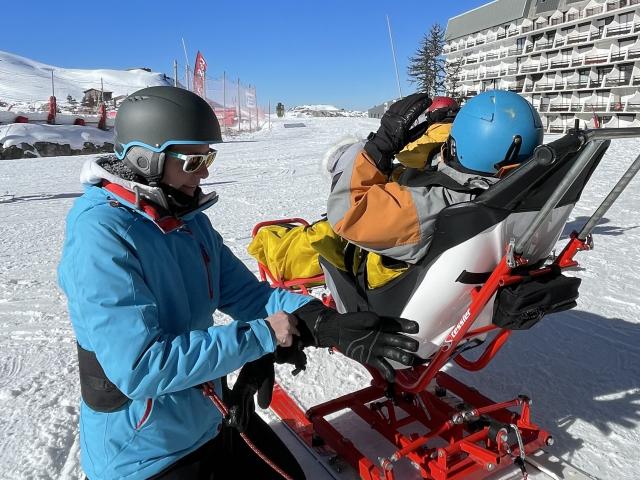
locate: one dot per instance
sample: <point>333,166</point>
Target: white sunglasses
<point>193,163</point>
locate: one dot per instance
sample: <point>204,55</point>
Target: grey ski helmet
<point>154,118</point>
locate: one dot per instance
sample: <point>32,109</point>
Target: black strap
<point>471,278</point>
<point>98,392</point>
<point>438,179</point>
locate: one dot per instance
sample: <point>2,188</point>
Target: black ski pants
<point>227,456</point>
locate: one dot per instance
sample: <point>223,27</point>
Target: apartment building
<point>570,58</point>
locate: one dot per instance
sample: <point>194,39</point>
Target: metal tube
<point>610,199</point>
<point>560,191</point>
<point>611,133</point>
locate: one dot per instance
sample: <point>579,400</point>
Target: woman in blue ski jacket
<point>144,271</point>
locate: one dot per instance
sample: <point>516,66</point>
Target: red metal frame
<point>470,452</point>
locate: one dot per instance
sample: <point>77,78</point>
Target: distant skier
<point>144,271</point>
<point>395,215</point>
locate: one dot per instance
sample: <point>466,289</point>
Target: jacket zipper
<point>207,261</point>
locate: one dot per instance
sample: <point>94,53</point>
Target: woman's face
<point>177,178</point>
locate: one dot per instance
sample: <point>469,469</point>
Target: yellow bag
<point>377,274</point>
<point>292,252</point>
<point>417,153</point>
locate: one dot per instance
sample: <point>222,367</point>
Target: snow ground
<point>582,367</point>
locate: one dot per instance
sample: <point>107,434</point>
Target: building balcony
<point>544,87</point>
<point>500,36</point>
<point>573,39</point>
<point>529,68</point>
<point>633,53</point>
<point>555,21</point>
<point>616,107</point>
<point>560,63</point>
<point>492,56</point>
<point>577,85</point>
<point>621,4</point>
<point>617,82</point>
<point>543,46</point>
<point>528,88</point>
<point>633,107</point>
<point>559,107</point>
<point>515,51</point>
<point>616,57</point>
<point>621,30</point>
<point>595,107</point>
<point>636,81</point>
<point>516,88</point>
<point>560,42</point>
<point>596,35</point>
<point>595,60</point>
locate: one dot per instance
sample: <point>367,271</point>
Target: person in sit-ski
<point>395,216</point>
<point>144,271</point>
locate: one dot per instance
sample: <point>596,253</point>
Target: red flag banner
<point>199,72</point>
<point>596,120</point>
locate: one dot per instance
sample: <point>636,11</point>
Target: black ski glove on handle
<point>257,376</point>
<point>362,336</point>
<point>395,130</point>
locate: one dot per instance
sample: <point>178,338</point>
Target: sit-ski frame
<point>482,437</point>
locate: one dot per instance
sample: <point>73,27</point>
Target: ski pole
<point>610,199</point>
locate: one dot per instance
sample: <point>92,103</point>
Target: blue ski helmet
<point>494,129</point>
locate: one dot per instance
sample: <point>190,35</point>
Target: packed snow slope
<point>582,367</point>
<point>25,82</point>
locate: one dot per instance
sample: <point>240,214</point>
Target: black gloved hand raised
<point>257,376</point>
<point>362,336</point>
<point>395,130</point>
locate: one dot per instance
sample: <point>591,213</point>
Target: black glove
<point>395,130</point>
<point>257,376</point>
<point>362,336</point>
<point>293,355</point>
<point>443,115</point>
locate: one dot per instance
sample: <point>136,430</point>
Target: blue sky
<point>297,52</point>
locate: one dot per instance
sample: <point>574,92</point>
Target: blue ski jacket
<point>143,300</point>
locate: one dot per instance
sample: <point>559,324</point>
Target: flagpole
<point>393,53</point>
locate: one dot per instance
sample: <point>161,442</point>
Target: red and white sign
<point>199,72</point>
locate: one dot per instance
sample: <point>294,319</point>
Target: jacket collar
<point>149,202</point>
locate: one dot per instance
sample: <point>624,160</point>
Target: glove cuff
<point>382,160</point>
<point>307,316</point>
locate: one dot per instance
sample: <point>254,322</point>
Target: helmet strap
<point>511,157</point>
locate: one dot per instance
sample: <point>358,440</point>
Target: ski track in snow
<point>582,367</point>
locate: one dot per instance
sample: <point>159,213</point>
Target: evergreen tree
<point>427,66</point>
<point>453,78</point>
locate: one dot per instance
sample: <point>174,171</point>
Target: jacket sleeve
<point>369,210</point>
<point>243,297</point>
<point>116,316</point>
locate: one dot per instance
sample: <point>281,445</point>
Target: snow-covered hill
<point>322,111</point>
<point>26,84</point>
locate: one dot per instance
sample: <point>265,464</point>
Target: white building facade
<point>573,59</point>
